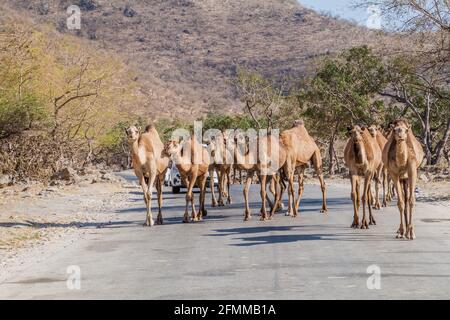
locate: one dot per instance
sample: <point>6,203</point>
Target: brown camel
<point>402,156</point>
<point>301,150</point>
<point>218,151</point>
<point>362,156</point>
<point>381,174</point>
<point>265,160</point>
<point>192,161</point>
<point>150,166</point>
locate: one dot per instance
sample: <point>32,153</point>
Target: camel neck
<point>401,155</point>
<point>360,152</point>
<point>135,147</point>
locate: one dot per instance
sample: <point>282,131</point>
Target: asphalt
<point>315,256</point>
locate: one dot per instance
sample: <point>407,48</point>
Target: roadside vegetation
<point>65,104</point>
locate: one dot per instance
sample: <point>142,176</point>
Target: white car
<point>173,179</point>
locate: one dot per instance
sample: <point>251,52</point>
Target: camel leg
<point>365,200</point>
<point>190,196</point>
<point>283,188</point>
<point>301,188</point>
<point>159,182</point>
<point>371,217</point>
<point>263,182</point>
<point>317,162</point>
<point>377,189</point>
<point>355,199</point>
<point>187,183</point>
<point>149,221</point>
<point>273,188</point>
<point>144,187</point>
<point>406,200</point>
<point>248,182</point>
<point>412,178</point>
<point>228,176</point>
<point>388,188</point>
<point>400,205</point>
<point>202,210</point>
<point>384,188</point>
<point>213,194</point>
<point>221,184</point>
<point>291,206</point>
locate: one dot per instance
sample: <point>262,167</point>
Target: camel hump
<point>298,123</point>
<point>149,127</point>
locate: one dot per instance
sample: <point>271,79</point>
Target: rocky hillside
<point>186,51</point>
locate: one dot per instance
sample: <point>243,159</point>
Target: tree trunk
<point>441,145</point>
<point>331,153</point>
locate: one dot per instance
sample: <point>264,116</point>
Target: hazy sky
<point>342,8</point>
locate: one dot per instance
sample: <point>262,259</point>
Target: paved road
<point>313,256</point>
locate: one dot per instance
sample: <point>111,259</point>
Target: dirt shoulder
<point>35,215</point>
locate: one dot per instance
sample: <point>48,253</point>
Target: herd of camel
<point>391,158</point>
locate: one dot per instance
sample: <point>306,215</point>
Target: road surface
<point>315,256</point>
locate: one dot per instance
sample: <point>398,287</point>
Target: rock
<point>111,178</point>
<point>47,191</point>
<point>424,177</point>
<point>5,180</point>
<point>129,12</point>
<point>67,174</point>
<point>88,5</point>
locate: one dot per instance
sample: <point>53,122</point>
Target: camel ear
<point>139,129</point>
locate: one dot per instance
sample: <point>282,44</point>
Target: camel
<point>301,150</point>
<point>381,175</point>
<point>192,161</point>
<point>217,148</point>
<point>265,166</point>
<point>362,155</point>
<point>402,156</point>
<point>150,166</point>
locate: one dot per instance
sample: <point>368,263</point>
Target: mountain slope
<point>186,51</point>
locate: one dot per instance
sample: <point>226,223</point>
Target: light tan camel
<point>362,155</point>
<point>192,161</point>
<point>301,150</point>
<point>265,166</point>
<point>150,166</point>
<point>402,156</point>
<point>381,175</point>
<point>221,165</point>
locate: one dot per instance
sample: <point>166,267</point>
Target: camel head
<point>374,130</point>
<point>401,129</point>
<point>171,148</point>
<point>355,133</point>
<point>132,133</point>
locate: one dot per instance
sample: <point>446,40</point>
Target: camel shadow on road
<point>267,238</point>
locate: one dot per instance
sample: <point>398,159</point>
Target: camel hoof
<point>214,204</point>
<point>324,211</point>
<point>247,218</point>
<point>204,213</point>
<point>150,223</point>
<point>355,225</point>
<point>160,222</point>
